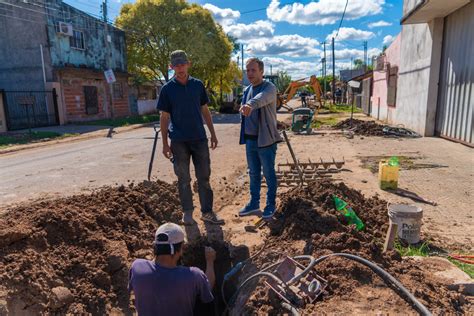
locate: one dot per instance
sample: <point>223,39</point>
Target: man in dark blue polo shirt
<point>183,106</point>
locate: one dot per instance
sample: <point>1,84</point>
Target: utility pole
<point>271,70</point>
<point>242,50</point>
<point>108,52</point>
<point>333,74</point>
<point>365,56</point>
<point>352,62</point>
<point>324,69</point>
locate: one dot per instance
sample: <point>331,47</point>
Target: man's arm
<point>206,114</point>
<point>210,255</point>
<point>164,123</point>
<point>267,96</point>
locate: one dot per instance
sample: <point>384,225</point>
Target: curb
<point>85,136</point>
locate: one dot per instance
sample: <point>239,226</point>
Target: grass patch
<point>424,250</point>
<point>124,121</point>
<point>466,267</point>
<point>342,108</point>
<point>11,139</point>
<point>326,121</point>
<point>406,163</point>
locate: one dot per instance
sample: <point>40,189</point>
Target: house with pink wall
<point>385,77</point>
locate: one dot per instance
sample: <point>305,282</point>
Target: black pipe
<point>387,277</point>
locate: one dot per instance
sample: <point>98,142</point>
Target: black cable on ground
<point>387,277</point>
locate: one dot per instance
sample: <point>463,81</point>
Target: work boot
<point>212,218</point>
<point>188,218</point>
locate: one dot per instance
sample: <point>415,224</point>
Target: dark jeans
<point>199,152</point>
<point>258,159</point>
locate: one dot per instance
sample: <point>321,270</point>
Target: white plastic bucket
<point>408,218</point>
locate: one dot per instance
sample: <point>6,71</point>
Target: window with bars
<point>77,40</point>
<point>117,90</point>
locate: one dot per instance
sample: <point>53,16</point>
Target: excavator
<point>283,99</point>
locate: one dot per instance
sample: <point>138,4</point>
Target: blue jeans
<point>182,154</point>
<point>258,159</point>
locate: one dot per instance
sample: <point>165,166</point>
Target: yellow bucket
<point>388,175</point>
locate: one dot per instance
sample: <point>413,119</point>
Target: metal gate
<point>454,117</point>
<point>25,109</point>
<point>366,94</point>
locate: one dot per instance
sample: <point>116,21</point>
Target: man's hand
<point>213,141</point>
<point>167,151</point>
<point>245,110</point>
<point>210,254</point>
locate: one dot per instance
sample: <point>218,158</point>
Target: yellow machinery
<point>294,86</point>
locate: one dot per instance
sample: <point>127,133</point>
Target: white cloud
<point>380,23</point>
<point>285,45</point>
<point>350,33</point>
<point>322,12</point>
<point>246,32</point>
<point>222,16</point>
<point>388,39</point>
<point>347,53</point>
<point>296,69</point>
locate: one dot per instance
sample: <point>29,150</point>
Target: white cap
<point>174,233</point>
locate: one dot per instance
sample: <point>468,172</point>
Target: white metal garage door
<point>456,85</point>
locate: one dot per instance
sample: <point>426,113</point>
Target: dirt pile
<point>309,224</point>
<point>71,255</point>
<point>360,127</point>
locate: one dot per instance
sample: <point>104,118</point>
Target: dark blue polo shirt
<point>183,103</point>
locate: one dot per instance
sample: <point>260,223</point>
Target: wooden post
<point>300,173</point>
<point>390,238</point>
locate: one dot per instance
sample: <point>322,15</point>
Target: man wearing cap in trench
<point>183,106</point>
<point>161,286</point>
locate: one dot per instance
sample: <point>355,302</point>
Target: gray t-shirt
<point>251,122</point>
<point>165,291</point>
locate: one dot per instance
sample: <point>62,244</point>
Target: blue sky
<point>289,35</point>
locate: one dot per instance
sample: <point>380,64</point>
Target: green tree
<point>155,28</point>
<point>358,64</point>
<point>328,82</point>
<point>282,81</point>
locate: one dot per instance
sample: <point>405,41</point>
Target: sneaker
<point>249,210</point>
<point>268,212</point>
<point>212,218</point>
<point>187,219</point>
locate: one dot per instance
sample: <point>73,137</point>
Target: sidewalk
<point>83,132</point>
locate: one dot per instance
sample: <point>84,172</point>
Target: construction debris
<point>360,127</point>
<point>307,223</point>
<point>371,128</point>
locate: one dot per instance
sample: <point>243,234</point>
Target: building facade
<point>385,81</point>
<point>435,93</point>
<point>49,44</point>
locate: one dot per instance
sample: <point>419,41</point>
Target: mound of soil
<point>72,255</point>
<point>360,127</point>
<point>309,224</point>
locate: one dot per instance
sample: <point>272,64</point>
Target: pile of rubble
<point>360,127</point>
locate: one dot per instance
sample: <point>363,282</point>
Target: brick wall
<point>72,86</point>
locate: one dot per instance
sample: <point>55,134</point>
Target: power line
<point>342,18</point>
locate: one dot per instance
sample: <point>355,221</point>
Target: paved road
<point>81,166</point>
